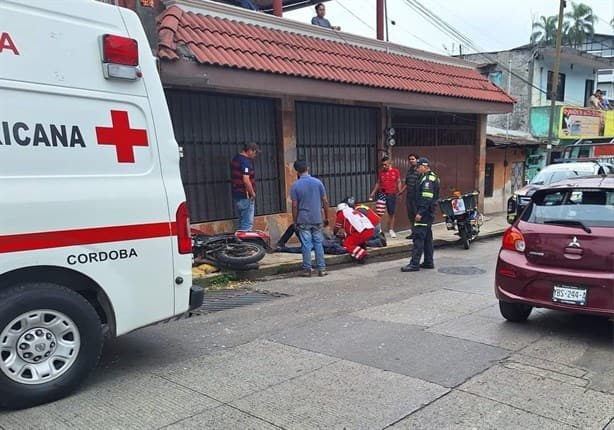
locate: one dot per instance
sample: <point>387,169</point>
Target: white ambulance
<point>94,229</point>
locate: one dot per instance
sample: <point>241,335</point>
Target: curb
<point>332,260</point>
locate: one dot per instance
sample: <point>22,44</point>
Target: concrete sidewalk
<point>281,262</point>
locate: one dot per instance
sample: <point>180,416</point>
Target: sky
<point>492,25</point>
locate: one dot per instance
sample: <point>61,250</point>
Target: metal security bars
<point>212,128</point>
<point>339,143</point>
<point>424,128</point>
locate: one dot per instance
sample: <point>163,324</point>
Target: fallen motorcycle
<point>227,250</point>
<point>461,214</point>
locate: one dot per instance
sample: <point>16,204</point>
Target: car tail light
<point>513,240</point>
<point>183,229</point>
<point>120,50</point>
<point>120,57</point>
<point>510,273</point>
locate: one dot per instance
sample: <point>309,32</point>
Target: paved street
<point>367,347</point>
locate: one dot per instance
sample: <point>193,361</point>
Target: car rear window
<point>546,177</point>
<point>591,207</point>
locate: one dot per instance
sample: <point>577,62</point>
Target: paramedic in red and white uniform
<point>355,228</point>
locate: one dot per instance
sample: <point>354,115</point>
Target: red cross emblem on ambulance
<point>122,136</point>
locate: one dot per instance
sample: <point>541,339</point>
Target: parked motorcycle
<point>461,214</point>
<point>228,250</point>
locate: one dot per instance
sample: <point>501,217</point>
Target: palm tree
<point>544,31</point>
<point>581,24</point>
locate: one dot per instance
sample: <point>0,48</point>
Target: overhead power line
<point>449,30</point>
<point>354,15</point>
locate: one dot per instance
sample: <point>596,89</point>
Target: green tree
<point>544,31</point>
<point>580,24</point>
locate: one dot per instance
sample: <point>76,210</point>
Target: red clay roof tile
<point>222,42</point>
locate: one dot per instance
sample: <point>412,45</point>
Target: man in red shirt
<point>387,186</point>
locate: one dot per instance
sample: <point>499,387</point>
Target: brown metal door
<point>447,140</point>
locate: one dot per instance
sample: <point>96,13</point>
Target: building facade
<point>300,91</point>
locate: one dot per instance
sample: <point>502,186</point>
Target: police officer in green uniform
<point>427,193</point>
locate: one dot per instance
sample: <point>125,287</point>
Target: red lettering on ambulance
<point>7,43</point>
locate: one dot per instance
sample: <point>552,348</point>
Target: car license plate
<point>569,294</point>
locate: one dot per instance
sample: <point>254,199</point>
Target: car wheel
<point>515,312</point>
<point>50,340</point>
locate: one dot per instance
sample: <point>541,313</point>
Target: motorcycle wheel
<point>464,235</point>
<point>238,254</point>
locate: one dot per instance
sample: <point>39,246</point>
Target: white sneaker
<point>392,234</point>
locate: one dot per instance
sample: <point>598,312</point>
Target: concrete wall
<point>518,62</point>
<point>575,79</point>
<point>502,176</point>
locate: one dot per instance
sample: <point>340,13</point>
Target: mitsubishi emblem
<point>574,243</point>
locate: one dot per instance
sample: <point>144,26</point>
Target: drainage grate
<point>462,270</point>
<point>222,300</point>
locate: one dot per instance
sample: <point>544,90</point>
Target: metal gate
<point>339,143</point>
<point>448,140</point>
<point>212,128</point>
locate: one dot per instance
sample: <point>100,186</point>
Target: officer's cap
<point>422,161</point>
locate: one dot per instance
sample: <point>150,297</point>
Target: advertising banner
<point>581,123</point>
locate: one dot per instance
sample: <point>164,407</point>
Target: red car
<point>559,253</point>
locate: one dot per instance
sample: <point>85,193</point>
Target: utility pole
<point>277,8</point>
<point>555,81</point>
<point>509,91</point>
<point>380,19</point>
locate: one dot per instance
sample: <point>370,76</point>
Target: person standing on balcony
<point>594,101</point>
<point>319,19</point>
<point>248,4</point>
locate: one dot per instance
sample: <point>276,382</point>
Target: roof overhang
<point>188,74</point>
<point>498,137</point>
<point>570,55</point>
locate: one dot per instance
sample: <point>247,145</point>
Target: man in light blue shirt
<point>248,4</point>
<point>309,202</point>
<point>319,19</point>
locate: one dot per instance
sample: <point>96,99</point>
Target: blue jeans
<point>245,209</point>
<point>311,238</point>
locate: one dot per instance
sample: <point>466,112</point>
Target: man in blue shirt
<point>320,20</point>
<point>309,201</point>
<point>248,4</point>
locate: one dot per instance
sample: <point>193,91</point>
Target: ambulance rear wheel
<point>50,340</point>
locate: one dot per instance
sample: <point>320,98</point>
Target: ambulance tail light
<point>183,229</point>
<point>120,57</point>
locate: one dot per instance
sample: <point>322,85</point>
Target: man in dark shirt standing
<point>411,181</point>
<point>243,183</point>
<point>319,19</point>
